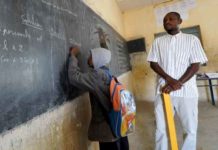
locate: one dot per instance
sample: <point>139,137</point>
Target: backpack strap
<point>108,73</point>
<point>115,78</point>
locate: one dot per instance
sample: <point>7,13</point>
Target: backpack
<point>122,115</point>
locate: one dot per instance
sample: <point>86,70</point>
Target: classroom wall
<point>65,127</point>
<point>144,25</point>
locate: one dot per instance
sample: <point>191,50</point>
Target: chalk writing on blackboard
<point>30,21</point>
<point>53,33</point>
<point>103,37</point>
<point>74,42</point>
<point>5,45</point>
<point>15,47</point>
<point>21,60</point>
<point>9,32</point>
<point>59,8</point>
<point>39,39</point>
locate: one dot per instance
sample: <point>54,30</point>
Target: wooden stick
<point>170,121</point>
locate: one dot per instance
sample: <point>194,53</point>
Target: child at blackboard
<point>97,83</point>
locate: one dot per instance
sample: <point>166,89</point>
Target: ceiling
<point>132,4</point>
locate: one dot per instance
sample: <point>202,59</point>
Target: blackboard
<point>136,45</point>
<point>35,36</point>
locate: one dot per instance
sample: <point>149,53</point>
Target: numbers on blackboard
<point>6,46</point>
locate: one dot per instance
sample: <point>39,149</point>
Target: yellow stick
<point>170,121</point>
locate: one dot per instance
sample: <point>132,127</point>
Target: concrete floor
<point>143,138</point>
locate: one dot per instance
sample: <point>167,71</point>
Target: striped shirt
<point>174,54</point>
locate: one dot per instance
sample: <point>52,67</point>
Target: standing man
<point>176,58</point>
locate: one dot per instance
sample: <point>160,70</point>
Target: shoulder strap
<point>115,78</point>
<point>108,73</point>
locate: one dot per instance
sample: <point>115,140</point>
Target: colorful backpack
<point>122,115</point>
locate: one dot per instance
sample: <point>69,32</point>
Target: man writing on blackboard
<point>176,58</point>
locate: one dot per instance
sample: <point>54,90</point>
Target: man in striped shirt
<point>176,58</point>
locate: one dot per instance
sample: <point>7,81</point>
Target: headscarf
<point>100,57</point>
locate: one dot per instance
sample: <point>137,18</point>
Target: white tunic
<point>174,54</point>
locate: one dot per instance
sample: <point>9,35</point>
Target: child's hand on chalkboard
<point>74,51</point>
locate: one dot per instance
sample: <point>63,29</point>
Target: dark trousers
<point>121,144</point>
